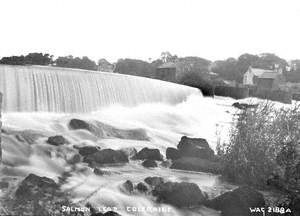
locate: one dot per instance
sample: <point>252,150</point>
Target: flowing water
<point>164,124</point>
<point>52,89</point>
<point>164,111</point>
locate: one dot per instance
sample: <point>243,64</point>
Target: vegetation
<point>230,69</point>
<point>31,58</point>
<point>264,149</point>
<point>80,63</point>
<point>135,67</point>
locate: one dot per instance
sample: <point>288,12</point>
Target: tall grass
<point>264,145</point>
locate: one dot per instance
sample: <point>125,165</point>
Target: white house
<point>253,74</point>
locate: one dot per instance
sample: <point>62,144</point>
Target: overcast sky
<point>113,29</point>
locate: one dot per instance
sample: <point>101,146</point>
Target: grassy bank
<point>263,150</point>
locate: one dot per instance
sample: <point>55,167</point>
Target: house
<point>262,78</point>
<point>166,72</point>
<point>104,65</point>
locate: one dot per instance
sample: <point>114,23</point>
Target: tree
<point>30,59</point>
<point>192,64</point>
<point>270,61</point>
<point>245,61</point>
<point>135,67</point>
<point>80,63</point>
<point>227,69</point>
<point>168,57</point>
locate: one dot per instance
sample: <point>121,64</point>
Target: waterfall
<point>54,89</point>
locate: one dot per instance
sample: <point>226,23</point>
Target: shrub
<point>263,144</point>
<point>198,80</point>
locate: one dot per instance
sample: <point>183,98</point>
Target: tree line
<point>231,69</point>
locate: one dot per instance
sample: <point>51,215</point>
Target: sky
<point>142,29</point>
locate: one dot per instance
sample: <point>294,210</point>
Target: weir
<point>54,89</point>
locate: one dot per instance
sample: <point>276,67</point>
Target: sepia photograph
<point>149,108</point>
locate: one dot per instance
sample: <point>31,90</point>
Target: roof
<point>168,65</point>
<point>258,72</point>
<point>268,75</point>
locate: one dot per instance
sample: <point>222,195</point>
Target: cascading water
<point>53,89</point>
<point>164,111</point>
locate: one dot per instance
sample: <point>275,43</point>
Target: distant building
<point>262,78</point>
<point>104,65</point>
<point>166,72</point>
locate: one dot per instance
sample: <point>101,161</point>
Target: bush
<point>263,145</point>
<point>197,80</point>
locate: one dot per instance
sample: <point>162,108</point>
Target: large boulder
<point>77,124</point>
<point>87,150</point>
<point>183,194</point>
<point>57,140</point>
<point>127,186</point>
<point>141,187</point>
<point>103,130</point>
<point>98,172</point>
<point>244,106</point>
<point>172,153</point>
<point>106,156</point>
<point>237,202</point>
<point>154,181</point>
<point>147,153</point>
<point>37,195</point>
<point>34,187</point>
<point>197,164</point>
<point>195,147</point>
<point>149,163</point>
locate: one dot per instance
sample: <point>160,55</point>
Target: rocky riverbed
<point>146,161</point>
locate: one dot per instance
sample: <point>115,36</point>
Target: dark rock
<point>106,156</point>
<point>195,147</point>
<point>87,150</point>
<point>74,159</point>
<point>147,153</point>
<point>37,195</point>
<point>185,142</point>
<point>197,164</point>
<point>4,184</point>
<point>128,186</point>
<point>237,202</point>
<point>244,106</point>
<point>57,140</point>
<point>141,187</point>
<point>35,187</point>
<point>98,172</point>
<point>77,124</point>
<point>102,130</point>
<point>149,163</point>
<point>154,181</point>
<point>110,131</point>
<point>182,194</point>
<point>172,153</point>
